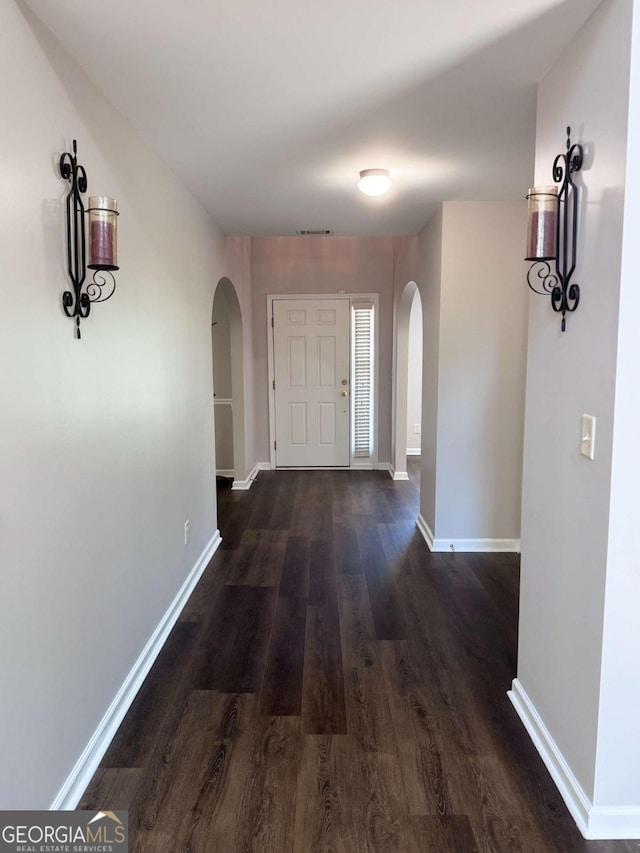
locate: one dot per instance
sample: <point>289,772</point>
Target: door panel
<point>326,362</point>
<point>298,424</point>
<point>327,424</point>
<point>297,362</point>
<point>311,344</point>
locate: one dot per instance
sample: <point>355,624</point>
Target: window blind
<point>362,378</point>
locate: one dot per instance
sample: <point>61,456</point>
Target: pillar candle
<point>103,240</point>
<point>541,231</point>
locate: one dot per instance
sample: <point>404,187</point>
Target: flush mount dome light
<point>374,181</point>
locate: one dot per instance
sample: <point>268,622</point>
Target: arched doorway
<point>228,384</point>
<point>414,379</point>
<point>407,381</point>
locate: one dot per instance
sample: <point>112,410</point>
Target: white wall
<point>414,379</point>
<point>618,754</point>
<point>322,265</point>
<point>429,279</point>
<point>475,320</point>
<point>237,261</point>
<point>618,749</point>
<point>107,442</point>
<point>579,587</point>
<point>483,345</point>
<point>221,347</point>
<point>221,338</point>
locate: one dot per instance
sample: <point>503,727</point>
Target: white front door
<point>311,367</point>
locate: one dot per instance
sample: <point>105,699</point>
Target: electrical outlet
<point>186,532</point>
<point>416,429</point>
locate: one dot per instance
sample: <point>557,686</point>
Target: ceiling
<point>268,110</point>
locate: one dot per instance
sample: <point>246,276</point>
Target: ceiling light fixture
<point>374,181</point>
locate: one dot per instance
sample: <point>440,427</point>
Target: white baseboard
<point>225,472</point>
<point>397,475</point>
<point>263,466</point>
<point>465,545</point>
<point>611,823</point>
<point>424,528</point>
<point>243,485</point>
<point>470,545</point>
<point>414,451</point>
<point>77,781</point>
<point>594,822</point>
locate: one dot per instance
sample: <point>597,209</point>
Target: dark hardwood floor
<point>332,687</point>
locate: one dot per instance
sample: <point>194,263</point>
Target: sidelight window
<point>362,382</point>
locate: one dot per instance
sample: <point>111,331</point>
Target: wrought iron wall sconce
<point>552,233</point>
<point>103,242</point>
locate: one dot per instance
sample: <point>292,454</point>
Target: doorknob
<point>345,393</point>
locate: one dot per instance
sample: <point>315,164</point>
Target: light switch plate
<point>588,436</point>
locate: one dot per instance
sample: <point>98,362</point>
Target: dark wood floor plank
<point>284,502</point>
<point>444,778</point>
<point>346,551</point>
<point>383,596</point>
<point>282,684</point>
<point>218,804</point>
<point>263,500</point>
<point>323,587</point>
<point>402,503</point>
<point>369,719</point>
<point>151,717</point>
<point>233,516</point>
<point>312,514</point>
<point>359,642</point>
<point>207,589</point>
<point>191,766</point>
<point>323,693</point>
<point>218,637</point>
<point>258,559</point>
<point>266,813</point>
<point>481,630</point>
<point>374,786</point>
<point>295,571</point>
<point>334,687</point>
<point>323,705</point>
<point>211,823</point>
<point>396,541</point>
<point>359,497</point>
<point>349,800</point>
<point>432,625</point>
<point>458,572</point>
<point>421,753</point>
<point>321,825</point>
<point>449,834</point>
<point>112,788</point>
<point>340,497</point>
<point>247,658</point>
<point>499,574</point>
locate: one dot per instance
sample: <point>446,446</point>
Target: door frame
<point>225,289</point>
<point>352,297</point>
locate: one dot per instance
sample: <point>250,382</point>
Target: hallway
<point>333,686</point>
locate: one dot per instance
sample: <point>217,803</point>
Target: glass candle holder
<point>103,233</point>
<point>542,219</point>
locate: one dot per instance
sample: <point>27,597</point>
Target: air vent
<point>322,232</point>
